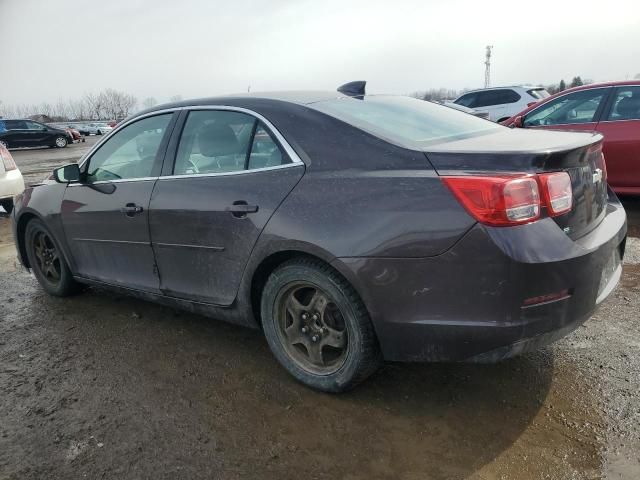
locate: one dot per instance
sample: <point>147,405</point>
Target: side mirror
<point>67,173</point>
<point>517,122</point>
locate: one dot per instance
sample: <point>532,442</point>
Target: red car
<point>612,109</point>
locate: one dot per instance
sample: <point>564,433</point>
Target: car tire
<point>7,204</point>
<point>5,144</point>
<point>45,257</point>
<point>330,344</point>
<point>98,132</point>
<point>60,141</point>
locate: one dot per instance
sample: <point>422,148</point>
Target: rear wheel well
<point>265,269</point>
<point>21,230</point>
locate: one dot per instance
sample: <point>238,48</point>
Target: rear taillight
<point>498,201</point>
<point>556,188</point>
<point>7,159</point>
<point>512,200</point>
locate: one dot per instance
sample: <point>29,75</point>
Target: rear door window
<point>467,100</point>
<point>265,151</point>
<point>626,104</point>
<point>222,141</point>
<point>577,107</point>
<point>34,126</point>
<point>488,98</point>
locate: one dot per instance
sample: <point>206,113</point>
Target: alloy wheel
<point>61,142</point>
<point>311,328</point>
<point>47,258</point>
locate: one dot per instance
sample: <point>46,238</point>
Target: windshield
<point>405,121</point>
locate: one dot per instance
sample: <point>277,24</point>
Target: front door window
<point>574,108</point>
<point>130,153</point>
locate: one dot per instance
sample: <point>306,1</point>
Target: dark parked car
<point>28,133</point>
<point>351,229</point>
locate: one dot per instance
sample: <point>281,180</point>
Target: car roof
<point>600,85</point>
<point>296,97</point>
<point>524,87</point>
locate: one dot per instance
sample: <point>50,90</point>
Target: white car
<point>11,181</point>
<point>97,128</point>
<point>502,102</point>
<point>470,111</point>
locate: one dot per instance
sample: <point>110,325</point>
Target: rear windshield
<point>405,121</point>
<point>538,93</point>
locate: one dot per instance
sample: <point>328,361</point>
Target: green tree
<point>562,86</point>
<point>576,82</point>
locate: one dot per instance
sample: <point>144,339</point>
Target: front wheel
<point>47,261</point>
<point>60,142</point>
<point>317,326</point>
<point>4,144</point>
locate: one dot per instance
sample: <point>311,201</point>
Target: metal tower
<point>487,68</point>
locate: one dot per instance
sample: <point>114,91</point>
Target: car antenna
<point>354,89</point>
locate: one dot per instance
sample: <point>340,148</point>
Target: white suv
<point>502,102</point>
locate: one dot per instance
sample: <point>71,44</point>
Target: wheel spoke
<point>318,302</point>
<point>294,307</point>
<point>333,338</point>
<point>315,353</point>
<point>55,274</point>
<point>39,247</point>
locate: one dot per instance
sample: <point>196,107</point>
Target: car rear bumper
<point>468,304</point>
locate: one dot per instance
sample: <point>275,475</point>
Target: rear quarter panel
<point>360,195</point>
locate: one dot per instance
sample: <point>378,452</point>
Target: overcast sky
<point>57,49</point>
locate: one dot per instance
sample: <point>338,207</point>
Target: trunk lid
<point>536,151</point>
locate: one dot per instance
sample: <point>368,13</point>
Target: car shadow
<point>150,378</point>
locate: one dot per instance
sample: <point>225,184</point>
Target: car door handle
<point>240,209</point>
<point>131,209</point>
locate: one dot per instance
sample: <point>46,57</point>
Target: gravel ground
<point>105,386</point>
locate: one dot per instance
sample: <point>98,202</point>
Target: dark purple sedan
<point>351,229</point>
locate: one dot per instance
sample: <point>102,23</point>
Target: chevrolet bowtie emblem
<point>597,175</point>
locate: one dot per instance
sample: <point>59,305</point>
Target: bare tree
<point>117,104</point>
<point>149,102</point>
<point>94,104</point>
<point>77,109</point>
<point>175,98</point>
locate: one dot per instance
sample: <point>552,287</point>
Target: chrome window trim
<point>232,172</point>
<point>295,158</point>
<point>121,180</point>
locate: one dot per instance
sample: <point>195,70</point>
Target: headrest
<point>216,140</point>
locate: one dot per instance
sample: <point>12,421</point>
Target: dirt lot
<point>104,386</point>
